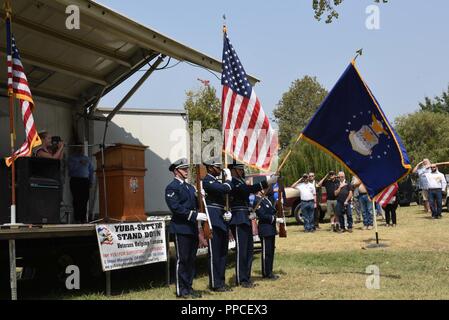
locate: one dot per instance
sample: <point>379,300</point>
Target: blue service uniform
<point>218,245</point>
<point>182,202</point>
<point>266,214</point>
<point>241,227</point>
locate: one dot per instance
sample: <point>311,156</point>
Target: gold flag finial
<point>225,28</point>
<point>358,53</point>
<point>8,9</point>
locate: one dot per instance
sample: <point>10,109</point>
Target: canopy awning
<point>76,66</point>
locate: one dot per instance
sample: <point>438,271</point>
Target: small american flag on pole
<point>18,87</point>
<point>385,197</point>
<point>247,133</point>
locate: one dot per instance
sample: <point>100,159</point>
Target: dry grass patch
<point>326,265</point>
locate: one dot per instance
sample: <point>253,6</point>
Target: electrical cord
<point>179,62</point>
<point>197,66</point>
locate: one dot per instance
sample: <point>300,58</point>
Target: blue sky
<point>280,41</point>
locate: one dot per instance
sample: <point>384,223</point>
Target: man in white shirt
<point>316,211</point>
<point>437,183</point>
<point>307,193</point>
<point>421,169</point>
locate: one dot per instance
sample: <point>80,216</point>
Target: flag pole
<point>375,223</point>
<point>13,167</point>
<point>8,11</point>
<point>225,30</point>
<point>289,154</point>
<point>12,242</point>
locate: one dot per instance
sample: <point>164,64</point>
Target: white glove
<point>252,215</point>
<point>227,216</point>
<point>203,193</point>
<point>201,216</point>
<point>280,220</point>
<point>272,179</point>
<point>227,174</point>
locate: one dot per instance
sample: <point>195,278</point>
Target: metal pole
<point>135,88</point>
<point>12,243</point>
<point>288,154</point>
<point>12,269</point>
<point>13,165</point>
<point>105,197</point>
<point>167,247</point>
<point>108,283</point>
<point>375,222</point>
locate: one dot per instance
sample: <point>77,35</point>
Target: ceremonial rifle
<point>202,205</point>
<point>280,208</point>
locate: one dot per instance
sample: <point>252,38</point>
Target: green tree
<point>292,114</point>
<point>438,105</point>
<point>322,7</point>
<point>425,135</point>
<point>296,107</point>
<point>307,158</point>
<point>203,105</point>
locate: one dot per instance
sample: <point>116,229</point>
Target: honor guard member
<point>266,213</point>
<point>240,223</point>
<point>181,200</point>
<point>220,218</point>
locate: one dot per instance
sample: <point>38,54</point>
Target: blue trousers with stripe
<point>218,251</point>
<point>243,235</point>
<point>186,247</point>
<point>268,245</point>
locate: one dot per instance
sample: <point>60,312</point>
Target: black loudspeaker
<point>38,191</point>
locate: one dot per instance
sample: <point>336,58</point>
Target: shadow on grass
<point>428,218</point>
<point>48,286</point>
<point>391,276</point>
<point>371,240</point>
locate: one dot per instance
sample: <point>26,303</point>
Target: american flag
<point>385,197</point>
<point>18,87</point>
<point>247,133</point>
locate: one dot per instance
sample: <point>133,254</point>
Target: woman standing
<point>390,209</point>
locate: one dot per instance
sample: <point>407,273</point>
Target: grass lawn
<point>324,265</point>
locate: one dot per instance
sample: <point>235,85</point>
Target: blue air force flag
<point>351,126</point>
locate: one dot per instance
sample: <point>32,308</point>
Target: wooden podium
<point>125,172</point>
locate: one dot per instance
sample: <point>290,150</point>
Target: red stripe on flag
<point>241,114</point>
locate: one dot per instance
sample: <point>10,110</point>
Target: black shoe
<point>184,296</point>
<point>195,294</point>
<point>272,277</point>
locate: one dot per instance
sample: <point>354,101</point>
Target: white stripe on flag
<point>227,104</point>
<point>263,153</point>
<point>237,104</point>
<point>243,131</point>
